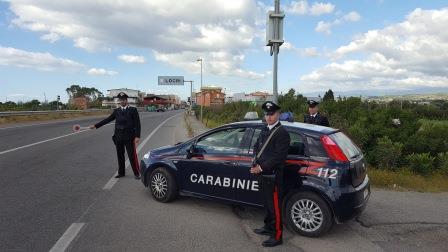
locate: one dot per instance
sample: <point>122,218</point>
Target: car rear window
<point>348,147</point>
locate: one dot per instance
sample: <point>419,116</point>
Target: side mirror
<point>190,151</point>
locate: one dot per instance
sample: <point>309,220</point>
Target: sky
<point>356,47</point>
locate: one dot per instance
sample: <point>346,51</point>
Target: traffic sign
<point>171,80</point>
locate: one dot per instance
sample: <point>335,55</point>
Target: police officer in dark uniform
<point>314,117</point>
<point>126,135</point>
<point>269,167</point>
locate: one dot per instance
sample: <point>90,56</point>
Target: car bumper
<point>143,169</point>
<point>352,202</point>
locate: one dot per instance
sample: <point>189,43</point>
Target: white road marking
<point>44,141</point>
<point>69,235</point>
<point>40,142</point>
<point>114,180</point>
<point>64,121</point>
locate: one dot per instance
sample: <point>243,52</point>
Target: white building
<point>134,97</point>
<point>258,97</point>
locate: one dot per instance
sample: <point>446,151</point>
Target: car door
<point>297,160</point>
<point>210,165</point>
<point>253,195</point>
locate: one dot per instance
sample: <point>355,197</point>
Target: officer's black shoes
<point>272,242</point>
<point>263,231</point>
<point>137,176</point>
<point>119,176</point>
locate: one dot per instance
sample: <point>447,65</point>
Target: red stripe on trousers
<point>278,230</point>
<point>136,160</point>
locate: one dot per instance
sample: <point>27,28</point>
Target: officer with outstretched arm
<point>126,134</point>
<point>271,151</point>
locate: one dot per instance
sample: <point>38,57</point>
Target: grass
<point>188,124</point>
<point>47,117</point>
<point>405,180</point>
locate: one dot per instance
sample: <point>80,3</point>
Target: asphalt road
<point>53,197</point>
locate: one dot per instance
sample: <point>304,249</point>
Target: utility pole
<point>202,95</point>
<point>191,93</point>
<point>274,39</point>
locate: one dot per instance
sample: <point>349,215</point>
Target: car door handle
<point>230,162</point>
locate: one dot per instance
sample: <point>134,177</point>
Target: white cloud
<point>101,71</point>
<point>41,61</point>
<point>298,7</point>
<point>353,16</point>
<point>325,27</point>
<point>189,27</point>
<point>321,8</point>
<point>132,59</point>
<point>304,52</point>
<point>303,8</point>
<point>50,37</point>
<point>406,55</point>
<point>310,52</point>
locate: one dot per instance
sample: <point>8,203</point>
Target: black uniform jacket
<point>318,119</point>
<point>273,158</point>
<point>127,123</point>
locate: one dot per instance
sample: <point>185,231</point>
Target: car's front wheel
<point>308,214</point>
<point>162,185</point>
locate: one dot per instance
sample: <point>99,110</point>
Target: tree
<point>75,91</point>
<point>328,96</point>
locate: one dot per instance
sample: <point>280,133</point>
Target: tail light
<point>333,150</point>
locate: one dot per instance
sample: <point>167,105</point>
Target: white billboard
<point>171,80</point>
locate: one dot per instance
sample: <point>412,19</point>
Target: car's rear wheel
<point>162,185</point>
<point>308,214</point>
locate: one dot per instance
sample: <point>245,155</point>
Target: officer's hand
<point>92,127</point>
<point>136,140</point>
<point>255,169</point>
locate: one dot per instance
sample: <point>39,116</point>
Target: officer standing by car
<point>126,134</point>
<point>314,117</point>
<point>271,153</point>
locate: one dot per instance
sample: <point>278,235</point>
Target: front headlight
<point>146,156</point>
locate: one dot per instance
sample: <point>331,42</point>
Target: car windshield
<point>348,147</point>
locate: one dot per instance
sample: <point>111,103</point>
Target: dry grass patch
<point>405,180</point>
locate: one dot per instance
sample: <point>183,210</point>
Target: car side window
<point>296,145</point>
<point>255,136</point>
<point>315,148</point>
<point>226,141</point>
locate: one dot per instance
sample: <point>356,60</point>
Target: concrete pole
<point>275,49</point>
<point>202,95</point>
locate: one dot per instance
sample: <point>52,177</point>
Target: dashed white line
<point>69,235</point>
<point>114,180</point>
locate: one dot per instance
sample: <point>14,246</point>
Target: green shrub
<point>422,163</point>
<point>442,162</point>
<point>387,153</point>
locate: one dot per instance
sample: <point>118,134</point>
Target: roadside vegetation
<point>50,116</point>
<point>409,155</point>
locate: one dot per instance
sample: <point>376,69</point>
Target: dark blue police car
<point>326,178</point>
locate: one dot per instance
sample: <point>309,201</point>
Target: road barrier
<point>46,112</point>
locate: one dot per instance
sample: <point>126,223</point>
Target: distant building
<point>314,98</point>
<point>210,96</point>
<point>81,102</point>
<point>258,97</point>
<point>162,101</point>
<point>135,97</point>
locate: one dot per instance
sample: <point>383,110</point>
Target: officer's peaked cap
<point>270,107</point>
<point>312,103</point>
<point>122,96</point>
